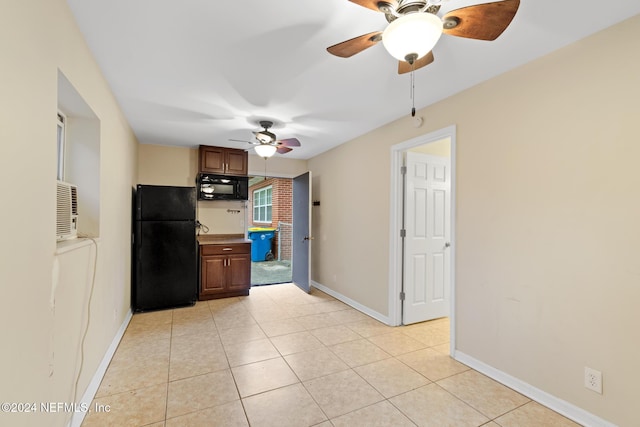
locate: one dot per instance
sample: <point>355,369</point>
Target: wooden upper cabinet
<point>211,159</point>
<point>237,162</point>
<point>223,161</point>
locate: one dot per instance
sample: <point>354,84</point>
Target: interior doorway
<point>427,232</point>
<point>398,263</point>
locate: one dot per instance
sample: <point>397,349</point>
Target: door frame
<point>248,214</point>
<point>395,222</point>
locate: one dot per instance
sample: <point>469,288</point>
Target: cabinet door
<point>237,162</point>
<point>213,274</point>
<point>239,272</point>
<point>212,159</point>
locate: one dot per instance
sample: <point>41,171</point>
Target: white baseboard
<point>567,409</point>
<point>92,388</point>
<point>366,310</point>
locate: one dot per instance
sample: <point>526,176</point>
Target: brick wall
<point>281,211</point>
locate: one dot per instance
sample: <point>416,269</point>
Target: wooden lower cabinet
<point>225,270</point>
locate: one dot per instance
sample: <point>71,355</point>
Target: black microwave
<point>222,187</point>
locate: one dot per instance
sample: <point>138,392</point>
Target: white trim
<point>565,408</point>
<point>395,222</point>
<point>452,248</point>
<point>364,309</point>
<point>61,135</point>
<point>255,206</point>
<point>78,417</point>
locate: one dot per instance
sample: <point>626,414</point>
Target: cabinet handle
<point>227,249</point>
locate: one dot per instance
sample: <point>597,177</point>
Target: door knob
<point>307,238</point>
<point>447,244</point>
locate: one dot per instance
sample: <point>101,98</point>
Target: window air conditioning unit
<point>67,211</point>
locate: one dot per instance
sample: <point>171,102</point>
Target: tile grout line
<point>299,306</point>
<point>235,382</point>
<point>300,381</point>
<point>511,410</point>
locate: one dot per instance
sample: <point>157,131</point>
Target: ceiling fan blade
<point>242,140</point>
<point>373,4</point>
<point>283,150</point>
<point>405,67</point>
<point>483,21</point>
<point>289,142</point>
<point>355,45</point>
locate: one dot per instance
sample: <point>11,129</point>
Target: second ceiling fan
<point>414,28</point>
<point>266,143</point>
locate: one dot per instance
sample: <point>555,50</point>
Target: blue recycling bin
<point>260,242</point>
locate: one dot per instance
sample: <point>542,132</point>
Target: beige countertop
<point>221,239</point>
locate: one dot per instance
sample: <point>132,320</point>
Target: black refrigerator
<point>164,248</point>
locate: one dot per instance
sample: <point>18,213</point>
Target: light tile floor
<point>281,357</point>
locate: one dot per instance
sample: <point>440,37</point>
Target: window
<point>61,135</point>
<point>262,205</point>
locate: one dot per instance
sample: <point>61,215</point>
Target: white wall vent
<point>67,211</point>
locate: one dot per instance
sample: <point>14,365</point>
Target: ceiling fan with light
<point>266,143</point>
<point>415,28</point>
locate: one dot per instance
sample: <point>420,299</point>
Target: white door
<point>300,262</point>
<point>428,231</point>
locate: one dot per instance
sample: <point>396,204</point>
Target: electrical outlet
<point>593,379</point>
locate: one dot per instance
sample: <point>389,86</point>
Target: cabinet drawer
<point>235,248</point>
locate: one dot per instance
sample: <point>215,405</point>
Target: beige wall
<point>44,296</point>
<point>162,165</point>
<point>547,271</point>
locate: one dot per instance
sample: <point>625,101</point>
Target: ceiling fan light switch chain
<point>413,90</point>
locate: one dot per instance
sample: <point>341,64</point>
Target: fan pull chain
<point>413,91</point>
<point>265,168</point>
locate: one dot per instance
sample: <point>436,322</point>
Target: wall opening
<point>81,155</point>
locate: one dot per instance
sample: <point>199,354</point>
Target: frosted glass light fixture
<point>412,36</point>
<point>265,150</point>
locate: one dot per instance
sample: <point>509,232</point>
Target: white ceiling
<point>193,72</point>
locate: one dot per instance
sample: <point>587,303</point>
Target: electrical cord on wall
<point>201,226</point>
<point>86,328</point>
